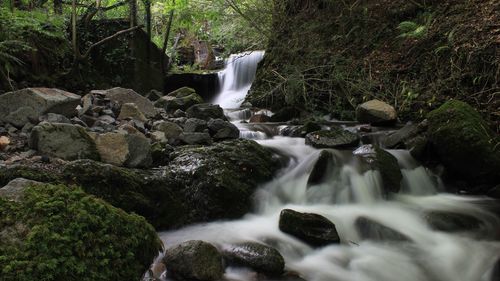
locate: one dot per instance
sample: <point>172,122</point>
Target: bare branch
<point>117,34</point>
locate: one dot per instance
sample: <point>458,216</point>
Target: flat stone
<point>336,137</point>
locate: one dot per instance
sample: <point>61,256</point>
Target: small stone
<point>4,142</point>
<point>193,125</point>
<point>131,111</point>
<point>259,257</point>
<point>376,112</point>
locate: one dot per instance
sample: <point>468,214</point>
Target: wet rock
<point>452,222</point>
<point>376,112</point>
<point>372,230</point>
<point>121,96</point>
<point>205,111</point>
<point>311,228</point>
<point>285,114</point>
<point>131,111</point>
<point>323,166</point>
<point>14,190</point>
<point>336,137</point>
<point>223,130</point>
<point>160,153</point>
<point>4,142</point>
<point>171,130</point>
<point>398,138</point>
<point>195,138</point>
<point>194,125</point>
<point>27,105</point>
<point>158,137</point>
<point>259,118</point>
<point>464,143</point>
<point>259,257</point>
<point>64,141</point>
<point>194,260</point>
<point>379,159</point>
<point>179,113</point>
<point>218,181</point>
<point>182,99</point>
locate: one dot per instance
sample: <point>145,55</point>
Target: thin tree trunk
<point>148,31</point>
<point>165,65</point>
<point>76,51</point>
<point>133,13</point>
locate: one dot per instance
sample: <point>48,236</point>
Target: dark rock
<point>336,137</point>
<point>452,222</point>
<point>389,169</point>
<point>88,120</point>
<point>259,118</point>
<point>261,258</point>
<point>161,154</point>
<point>154,95</point>
<point>171,130</point>
<point>107,119</point>
<point>222,130</point>
<point>464,143</point>
<point>205,111</point>
<point>311,228</point>
<point>121,96</point>
<point>218,181</point>
<point>373,230</point>
<point>27,105</point>
<point>398,138</point>
<point>285,114</point>
<point>179,113</point>
<point>64,141</point>
<point>182,99</point>
<point>376,112</point>
<point>55,118</point>
<point>194,125</point>
<point>325,163</point>
<point>194,260</point>
<point>195,138</point>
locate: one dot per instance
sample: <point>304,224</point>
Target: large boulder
<point>27,105</point>
<point>139,191</point>
<point>464,143</point>
<point>122,96</point>
<point>205,111</point>
<point>171,129</point>
<point>182,99</point>
<point>321,169</point>
<point>313,229</point>
<point>14,190</point>
<point>218,181</point>
<point>376,112</point>
<point>123,148</point>
<point>336,137</point>
<point>223,130</point>
<point>194,260</point>
<point>61,233</point>
<point>259,257</point>
<point>66,141</point>
<point>131,111</point>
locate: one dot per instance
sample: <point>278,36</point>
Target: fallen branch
<point>117,34</point>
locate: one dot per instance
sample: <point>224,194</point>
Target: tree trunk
<point>148,30</point>
<point>133,13</point>
<point>165,65</point>
<point>76,51</point>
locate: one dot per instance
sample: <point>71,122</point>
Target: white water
<point>349,193</point>
<point>237,77</point>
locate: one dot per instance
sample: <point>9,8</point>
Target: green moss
<point>69,235</point>
<point>32,173</point>
<point>464,142</point>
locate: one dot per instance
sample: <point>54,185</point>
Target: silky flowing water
<point>348,193</point>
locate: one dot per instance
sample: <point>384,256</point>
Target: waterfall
<point>236,78</point>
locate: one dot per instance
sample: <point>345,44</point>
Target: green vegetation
<point>60,233</point>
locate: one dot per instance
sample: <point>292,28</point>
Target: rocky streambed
<point>87,178</point>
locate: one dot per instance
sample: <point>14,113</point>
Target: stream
<point>347,193</point>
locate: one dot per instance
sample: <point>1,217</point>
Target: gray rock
<point>452,222</point>
<point>194,260</point>
<point>64,141</point>
<point>205,111</point>
<point>124,148</point>
<point>122,96</point>
<point>179,113</point>
<point>29,104</point>
<point>107,119</point>
<point>261,258</point>
<point>171,130</point>
<point>399,138</point>
<point>182,99</point>
<point>131,111</point>
<point>154,95</point>
<point>55,118</point>
<point>311,228</point>
<point>222,130</point>
<point>14,190</point>
<point>373,230</point>
<point>196,138</point>
<point>376,112</point>
<point>194,125</point>
<point>336,137</point>
<point>158,137</point>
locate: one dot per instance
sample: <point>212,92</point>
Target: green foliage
<point>60,233</point>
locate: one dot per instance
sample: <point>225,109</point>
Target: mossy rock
<point>217,182</point>
<point>28,172</point>
<point>464,142</point>
<point>61,233</point>
<point>336,137</point>
<point>138,191</point>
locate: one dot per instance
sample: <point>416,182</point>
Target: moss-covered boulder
<point>218,181</point>
<point>8,173</point>
<point>464,142</point>
<point>336,137</point>
<point>61,233</point>
<point>138,191</point>
<point>182,99</point>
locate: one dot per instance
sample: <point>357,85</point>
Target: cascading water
<point>347,194</point>
<point>237,77</point>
